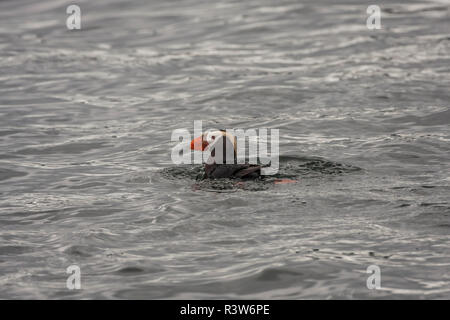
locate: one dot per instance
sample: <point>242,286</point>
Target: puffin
<point>223,163</point>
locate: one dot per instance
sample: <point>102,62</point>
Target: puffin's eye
<point>213,137</point>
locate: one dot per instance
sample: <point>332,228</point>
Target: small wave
<point>291,167</point>
<point>68,148</point>
<point>8,174</point>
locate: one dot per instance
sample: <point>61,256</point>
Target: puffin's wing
<point>216,171</point>
<point>245,172</point>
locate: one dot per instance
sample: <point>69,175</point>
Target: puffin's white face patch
<point>218,143</point>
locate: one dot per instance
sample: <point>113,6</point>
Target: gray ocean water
<point>86,176</point>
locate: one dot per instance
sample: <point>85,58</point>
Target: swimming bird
<point>223,160</point>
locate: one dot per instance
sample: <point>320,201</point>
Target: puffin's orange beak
<point>199,144</point>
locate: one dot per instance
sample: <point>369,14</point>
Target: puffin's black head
<point>220,143</point>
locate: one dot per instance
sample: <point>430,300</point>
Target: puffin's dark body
<point>241,171</point>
